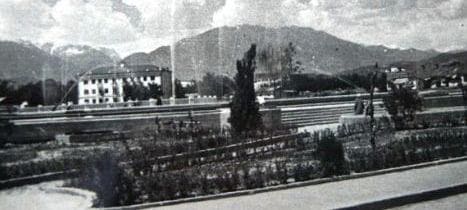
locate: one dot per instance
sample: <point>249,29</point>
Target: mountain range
<point>24,62</point>
<point>214,51</point>
<point>217,50</point>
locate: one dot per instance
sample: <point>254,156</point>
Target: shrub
<point>331,154</point>
<point>402,103</point>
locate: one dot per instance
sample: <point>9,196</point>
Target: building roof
<point>401,81</point>
<point>124,71</point>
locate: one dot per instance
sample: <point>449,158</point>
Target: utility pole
<point>371,109</point>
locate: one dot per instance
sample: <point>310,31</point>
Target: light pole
<point>371,109</point>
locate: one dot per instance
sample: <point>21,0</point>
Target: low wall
<point>31,131</point>
<point>430,116</point>
<point>39,130</point>
<point>444,101</point>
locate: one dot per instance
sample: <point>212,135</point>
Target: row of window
<point>101,100</point>
<point>99,81</point>
<point>86,91</point>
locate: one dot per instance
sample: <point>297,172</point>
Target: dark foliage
<point>105,177</point>
<point>402,103</point>
<point>331,154</point>
<point>321,82</point>
<point>216,85</point>
<point>137,91</point>
<point>179,90</point>
<point>48,92</point>
<point>244,115</point>
<point>418,147</point>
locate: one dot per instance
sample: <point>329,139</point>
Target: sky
<point>143,25</point>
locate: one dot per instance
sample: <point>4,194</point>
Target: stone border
<point>411,198</point>
<point>289,186</point>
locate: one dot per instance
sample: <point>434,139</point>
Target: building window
<point>152,78</point>
<point>86,101</point>
<point>94,101</point>
<point>106,80</point>
<point>99,80</point>
<point>106,100</point>
<point>85,82</point>
<point>106,90</point>
<point>93,81</point>
<point>113,79</point>
<point>145,79</point>
<point>86,92</point>
<point>93,91</point>
<point>115,99</point>
<point>100,100</point>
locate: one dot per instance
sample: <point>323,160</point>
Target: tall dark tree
<point>244,110</point>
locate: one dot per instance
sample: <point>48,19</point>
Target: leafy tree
<point>137,91</point>
<point>193,87</point>
<point>280,64</point>
<point>127,91</point>
<point>402,103</point>
<point>269,60</point>
<point>217,85</point>
<point>179,90</point>
<point>47,92</point>
<point>289,64</point>
<point>244,115</point>
<point>72,89</point>
<point>155,91</point>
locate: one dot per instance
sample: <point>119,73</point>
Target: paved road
<point>45,196</point>
<point>343,193</point>
<point>452,202</point>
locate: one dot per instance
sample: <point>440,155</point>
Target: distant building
<point>186,83</point>
<point>105,84</point>
<point>400,78</point>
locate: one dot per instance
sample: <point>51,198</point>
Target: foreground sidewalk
<point>343,193</point>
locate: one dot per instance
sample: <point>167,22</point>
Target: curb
<point>17,182</point>
<point>411,198</point>
<point>287,186</point>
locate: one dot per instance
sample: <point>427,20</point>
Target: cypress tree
<point>244,110</point>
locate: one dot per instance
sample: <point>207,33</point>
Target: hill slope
<point>217,50</point>
<point>440,65</point>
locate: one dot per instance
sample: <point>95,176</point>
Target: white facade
<point>102,90</point>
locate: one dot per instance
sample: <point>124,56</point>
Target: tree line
<point>47,92</point>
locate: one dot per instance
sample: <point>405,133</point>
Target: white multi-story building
<point>106,84</point>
